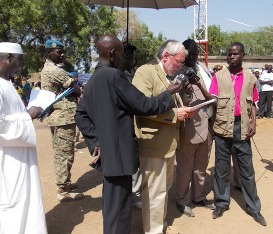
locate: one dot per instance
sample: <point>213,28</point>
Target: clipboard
<point>193,108</point>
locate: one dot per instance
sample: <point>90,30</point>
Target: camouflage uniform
<point>61,121</point>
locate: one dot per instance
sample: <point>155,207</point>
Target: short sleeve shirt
<point>237,81</point>
<point>56,80</point>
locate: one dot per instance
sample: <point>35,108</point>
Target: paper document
<point>203,104</point>
<point>59,97</point>
<point>41,98</point>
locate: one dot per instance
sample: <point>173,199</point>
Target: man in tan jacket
<point>158,135</point>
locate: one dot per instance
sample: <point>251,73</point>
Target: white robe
<point>21,205</point>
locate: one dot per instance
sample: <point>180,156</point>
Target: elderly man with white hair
<point>158,136</point>
<point>21,206</point>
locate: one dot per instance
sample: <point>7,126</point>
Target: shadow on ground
<point>89,180</point>
<point>63,218</point>
<point>269,163</point>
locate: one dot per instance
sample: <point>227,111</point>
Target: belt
<point>237,118</point>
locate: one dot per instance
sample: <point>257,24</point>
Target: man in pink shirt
<point>234,125</point>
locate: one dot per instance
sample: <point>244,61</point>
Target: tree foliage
<point>257,43</point>
<point>139,35</point>
<point>147,45</point>
<point>31,23</point>
<point>77,26</point>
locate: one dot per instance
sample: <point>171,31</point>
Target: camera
<point>181,78</point>
<point>192,75</point>
<point>187,75</point>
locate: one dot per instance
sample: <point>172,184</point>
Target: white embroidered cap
<point>10,48</point>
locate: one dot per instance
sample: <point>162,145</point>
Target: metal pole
<point>127,29</point>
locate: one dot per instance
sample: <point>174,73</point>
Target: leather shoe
<point>219,211</point>
<point>259,218</point>
<point>185,210</point>
<point>205,203</point>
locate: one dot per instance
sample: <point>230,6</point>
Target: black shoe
<point>205,203</point>
<point>186,210</point>
<point>259,218</point>
<point>219,211</point>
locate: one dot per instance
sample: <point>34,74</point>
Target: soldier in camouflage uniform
<point>61,120</point>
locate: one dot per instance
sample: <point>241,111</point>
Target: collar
<point>238,73</point>
<point>99,65</point>
<point>161,66</point>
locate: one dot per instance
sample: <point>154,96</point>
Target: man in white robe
<point>21,206</point>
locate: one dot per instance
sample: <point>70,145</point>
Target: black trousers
<point>117,204</point>
<point>265,103</point>
<point>243,152</point>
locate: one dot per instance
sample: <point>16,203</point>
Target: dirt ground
<point>85,216</point>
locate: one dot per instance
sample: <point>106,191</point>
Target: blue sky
<point>178,23</point>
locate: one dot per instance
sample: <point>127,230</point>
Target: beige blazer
<point>157,135</point>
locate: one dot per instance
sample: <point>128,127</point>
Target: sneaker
<point>137,204</point>
<point>64,196</point>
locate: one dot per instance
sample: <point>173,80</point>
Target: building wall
<point>249,62</point>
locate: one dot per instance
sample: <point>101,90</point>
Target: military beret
<point>53,44</point>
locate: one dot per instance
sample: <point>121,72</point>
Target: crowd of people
<point>24,87</point>
<point>136,123</point>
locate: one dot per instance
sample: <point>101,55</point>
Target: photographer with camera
<point>195,138</point>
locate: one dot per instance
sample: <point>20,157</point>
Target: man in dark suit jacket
<point>105,118</point>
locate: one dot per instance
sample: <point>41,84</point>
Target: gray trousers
<point>243,151</point>
<point>236,175</point>
<point>192,162</point>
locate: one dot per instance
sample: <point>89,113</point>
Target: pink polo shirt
<point>237,81</point>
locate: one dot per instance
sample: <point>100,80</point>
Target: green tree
<point>216,40</point>
<point>257,43</point>
<point>147,45</point>
<point>32,22</point>
<point>139,35</point>
<point>77,26</point>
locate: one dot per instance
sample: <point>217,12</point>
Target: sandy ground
<point>85,216</point>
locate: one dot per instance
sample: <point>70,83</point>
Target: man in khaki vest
<point>235,123</point>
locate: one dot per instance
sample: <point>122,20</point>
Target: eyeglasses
<point>180,63</point>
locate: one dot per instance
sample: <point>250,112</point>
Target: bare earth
<point>85,216</point>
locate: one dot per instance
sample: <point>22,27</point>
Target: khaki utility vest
<point>224,120</point>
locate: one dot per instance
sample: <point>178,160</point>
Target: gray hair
<point>173,47</point>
